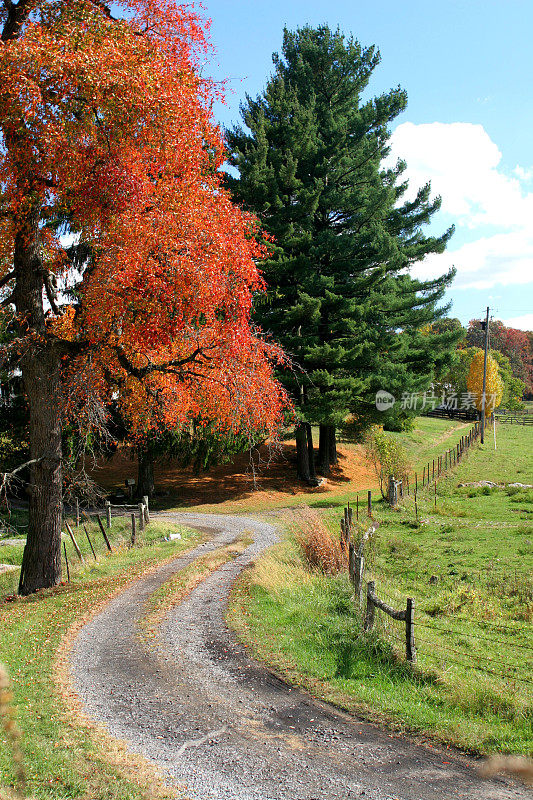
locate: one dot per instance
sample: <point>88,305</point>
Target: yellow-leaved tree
<point>493,387</point>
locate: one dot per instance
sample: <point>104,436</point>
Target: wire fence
<point>501,649</point>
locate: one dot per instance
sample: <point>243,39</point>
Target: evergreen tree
<point>340,299</point>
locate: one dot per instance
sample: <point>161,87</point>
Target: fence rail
<point>515,419</point>
<point>139,517</point>
<point>407,616</point>
<point>452,413</point>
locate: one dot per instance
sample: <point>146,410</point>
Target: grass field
<point>65,759</point>
<point>468,565</point>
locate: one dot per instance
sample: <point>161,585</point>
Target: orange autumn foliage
<point>108,134</point>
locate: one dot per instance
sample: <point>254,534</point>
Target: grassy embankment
<point>65,758</point>
<point>468,564</point>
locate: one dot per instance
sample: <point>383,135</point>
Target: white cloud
<point>523,174</point>
<point>524,322</point>
<point>463,165</point>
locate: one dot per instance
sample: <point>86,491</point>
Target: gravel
<point>224,726</point>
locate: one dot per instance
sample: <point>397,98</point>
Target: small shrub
<point>322,551</point>
<point>386,455</point>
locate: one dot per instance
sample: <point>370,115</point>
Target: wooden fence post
<point>108,513</point>
<point>410,651</point>
<point>133,532</point>
<point>343,536</point>
<point>393,492</point>
<point>351,561</point>
<point>369,503</point>
<point>74,542</point>
<point>141,516</point>
<point>357,508</point>
<point>77,513</point>
<point>146,509</point>
<point>89,540</point>
<point>104,534</point>
<point>359,571</point>
<point>370,608</point>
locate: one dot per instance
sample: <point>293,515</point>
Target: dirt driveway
<point>223,727</point>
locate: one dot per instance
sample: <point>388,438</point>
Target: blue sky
<point>467,69</point>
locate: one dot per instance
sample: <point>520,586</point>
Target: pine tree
<point>339,299</point>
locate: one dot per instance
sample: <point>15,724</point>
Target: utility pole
<point>484,397</point>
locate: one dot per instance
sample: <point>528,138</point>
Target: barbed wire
<point>480,669</point>
<point>488,623</point>
<point>475,636</point>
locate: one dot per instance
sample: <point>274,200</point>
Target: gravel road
<point>222,725</point>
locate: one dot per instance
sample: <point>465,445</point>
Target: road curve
<point>222,725</point>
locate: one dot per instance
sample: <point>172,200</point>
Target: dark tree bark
<point>302,453</point>
<point>145,472</point>
<point>305,454</point>
<point>327,448</point>
<point>333,458</point>
<point>41,561</point>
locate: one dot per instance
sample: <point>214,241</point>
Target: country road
<point>222,726</point>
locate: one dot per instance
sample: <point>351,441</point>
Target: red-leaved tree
<point>126,272</point>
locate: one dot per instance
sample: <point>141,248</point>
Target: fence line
<point>433,470</point>
<point>140,510</point>
<point>356,570</point>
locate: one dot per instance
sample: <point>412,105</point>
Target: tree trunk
<point>41,561</point>
<point>145,472</point>
<point>310,452</point>
<point>327,448</point>
<point>333,459</point>
<point>302,452</point>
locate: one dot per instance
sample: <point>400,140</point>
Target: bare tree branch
<point>169,366</point>
<point>16,17</point>
<point>7,278</point>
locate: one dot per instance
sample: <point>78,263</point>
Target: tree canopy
<point>513,343</point>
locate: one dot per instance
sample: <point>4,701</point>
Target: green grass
<point>429,438</point>
<point>65,759</point>
<point>476,547</point>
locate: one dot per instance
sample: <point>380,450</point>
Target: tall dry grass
<point>322,551</point>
